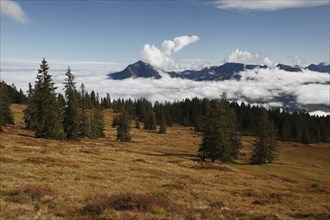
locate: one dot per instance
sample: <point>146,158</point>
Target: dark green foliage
<point>106,102</point>
<point>97,123</point>
<point>150,121</point>
<point>220,139</point>
<point>61,100</point>
<point>163,126</point>
<point>297,126</point>
<point>83,106</point>
<point>45,114</point>
<point>5,113</point>
<point>28,113</point>
<point>71,111</point>
<point>265,149</point>
<point>115,121</point>
<point>124,127</point>
<point>12,94</point>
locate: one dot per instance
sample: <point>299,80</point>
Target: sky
<point>292,31</point>
<point>97,37</point>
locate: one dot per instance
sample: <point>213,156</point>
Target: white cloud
<point>269,62</point>
<point>14,11</point>
<point>267,5</point>
<point>239,56</point>
<point>161,57</point>
<point>259,86</point>
<point>319,113</point>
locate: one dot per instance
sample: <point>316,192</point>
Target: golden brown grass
<point>156,176</point>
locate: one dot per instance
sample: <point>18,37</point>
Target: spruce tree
<point>46,115</point>
<point>150,121</point>
<point>265,149</point>
<point>28,112</point>
<point>83,124</point>
<point>5,113</point>
<point>163,126</point>
<point>97,124</point>
<point>220,139</point>
<point>124,127</point>
<point>71,111</point>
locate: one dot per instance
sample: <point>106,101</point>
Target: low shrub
<point>28,192</point>
<point>125,202</point>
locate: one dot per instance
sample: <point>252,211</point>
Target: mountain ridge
<point>225,71</point>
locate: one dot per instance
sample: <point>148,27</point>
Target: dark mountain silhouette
<point>225,71</point>
<point>136,70</point>
<point>289,68</point>
<point>322,67</point>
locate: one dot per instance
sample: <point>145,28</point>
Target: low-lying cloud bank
<point>271,87</point>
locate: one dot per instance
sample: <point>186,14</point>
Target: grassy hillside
<point>157,176</point>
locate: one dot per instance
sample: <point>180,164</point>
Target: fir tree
<point>97,124</point>
<point>115,121</point>
<point>150,121</point>
<point>220,139</point>
<point>265,149</point>
<point>83,105</point>
<point>46,115</point>
<point>28,112</point>
<point>5,113</point>
<point>163,127</point>
<point>71,111</point>
<point>61,100</point>
<point>124,127</point>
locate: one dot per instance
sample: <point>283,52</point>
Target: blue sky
<point>117,31</point>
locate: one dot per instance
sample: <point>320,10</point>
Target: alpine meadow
<point>227,118</point>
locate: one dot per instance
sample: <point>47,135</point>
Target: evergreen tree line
<point>6,116</point>
<point>52,115</point>
<point>219,127</point>
<point>13,95</point>
<point>297,126</point>
<point>141,110</point>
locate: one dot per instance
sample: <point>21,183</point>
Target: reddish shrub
<point>6,160</point>
<point>124,202</point>
<point>29,191</point>
<point>40,160</point>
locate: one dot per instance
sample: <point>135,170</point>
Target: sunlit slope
<point>156,176</point>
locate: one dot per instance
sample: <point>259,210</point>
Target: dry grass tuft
<point>6,160</point>
<point>41,160</point>
<point>212,166</point>
<point>315,216</point>
<point>140,160</point>
<point>28,192</point>
<point>125,202</point>
<point>177,186</point>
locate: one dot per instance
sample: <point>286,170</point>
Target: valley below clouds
<point>271,87</point>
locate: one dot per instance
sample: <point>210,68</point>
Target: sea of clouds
<point>258,86</point>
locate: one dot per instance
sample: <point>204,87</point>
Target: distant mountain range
<point>226,71</point>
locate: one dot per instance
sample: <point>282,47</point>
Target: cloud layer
<point>239,56</point>
<point>267,5</point>
<point>161,57</point>
<point>14,11</point>
<point>259,86</point>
